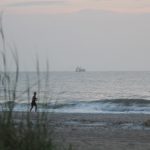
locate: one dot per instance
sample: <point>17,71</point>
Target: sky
<point>99,35</point>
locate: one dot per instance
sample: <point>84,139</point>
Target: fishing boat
<point>80,69</point>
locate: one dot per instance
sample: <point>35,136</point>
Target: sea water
<point>84,92</point>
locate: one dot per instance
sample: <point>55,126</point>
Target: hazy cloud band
<point>69,6</point>
<point>35,3</point>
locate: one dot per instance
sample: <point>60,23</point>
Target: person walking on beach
<point>33,103</point>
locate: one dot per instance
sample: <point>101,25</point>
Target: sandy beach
<point>101,131</point>
<point>96,131</point>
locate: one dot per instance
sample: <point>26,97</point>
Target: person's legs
<point>31,107</point>
<point>35,107</point>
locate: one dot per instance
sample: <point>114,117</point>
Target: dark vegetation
<point>147,123</point>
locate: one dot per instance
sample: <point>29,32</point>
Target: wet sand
<point>100,131</point>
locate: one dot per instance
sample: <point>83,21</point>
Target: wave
<point>124,102</point>
<point>107,106</point>
<point>121,102</point>
<point>99,106</point>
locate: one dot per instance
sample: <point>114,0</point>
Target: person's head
<point>34,93</point>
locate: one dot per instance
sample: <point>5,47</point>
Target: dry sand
<point>101,131</point>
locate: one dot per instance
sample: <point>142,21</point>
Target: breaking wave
<point>100,106</point>
<point>106,106</point>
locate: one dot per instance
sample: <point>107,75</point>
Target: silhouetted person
<point>33,103</point>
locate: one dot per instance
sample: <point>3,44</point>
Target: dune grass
<point>147,123</point>
<point>25,134</point>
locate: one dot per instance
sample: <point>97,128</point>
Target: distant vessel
<point>80,69</point>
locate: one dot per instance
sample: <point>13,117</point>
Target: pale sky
<point>95,34</point>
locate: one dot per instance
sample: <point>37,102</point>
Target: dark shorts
<point>33,104</point>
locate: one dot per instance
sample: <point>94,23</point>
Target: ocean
<point>84,92</point>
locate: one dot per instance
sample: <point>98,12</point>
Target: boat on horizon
<point>80,69</point>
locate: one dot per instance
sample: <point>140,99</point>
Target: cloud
<point>35,3</point>
<point>71,6</point>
